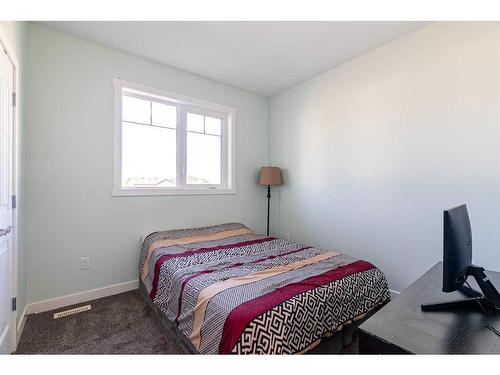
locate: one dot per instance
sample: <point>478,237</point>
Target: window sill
<point>129,192</point>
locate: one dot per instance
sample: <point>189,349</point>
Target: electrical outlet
<point>287,236</point>
<point>85,263</point>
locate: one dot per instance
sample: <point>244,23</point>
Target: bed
<point>225,289</point>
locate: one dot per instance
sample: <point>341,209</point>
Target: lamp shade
<point>270,176</point>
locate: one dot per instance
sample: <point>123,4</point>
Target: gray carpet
<point>120,324</point>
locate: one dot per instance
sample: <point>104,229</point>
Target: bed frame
<point>330,345</point>
<point>183,342</point>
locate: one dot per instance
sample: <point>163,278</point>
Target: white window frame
<point>184,104</point>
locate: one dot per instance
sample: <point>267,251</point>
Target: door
<point>7,317</point>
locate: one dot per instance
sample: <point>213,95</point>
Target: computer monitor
<point>457,266</point>
<point>457,247</point>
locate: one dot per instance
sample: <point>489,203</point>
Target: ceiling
<point>262,57</point>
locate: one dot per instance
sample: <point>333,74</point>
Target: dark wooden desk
<point>401,327</point>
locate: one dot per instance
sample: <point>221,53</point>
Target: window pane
<point>136,110</point>
<point>212,125</point>
<point>203,159</point>
<point>194,122</point>
<point>148,156</point>
<point>164,115</point>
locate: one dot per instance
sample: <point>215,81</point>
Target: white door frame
<point>7,46</point>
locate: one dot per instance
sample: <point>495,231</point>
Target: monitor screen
<point>457,247</point>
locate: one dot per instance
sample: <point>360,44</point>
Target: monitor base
<point>458,304</point>
<point>489,297</point>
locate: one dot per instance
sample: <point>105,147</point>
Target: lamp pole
<point>268,206</point>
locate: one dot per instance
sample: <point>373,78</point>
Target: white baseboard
<point>20,324</point>
<point>394,293</point>
<point>88,295</point>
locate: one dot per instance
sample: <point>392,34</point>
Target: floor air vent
<point>77,310</point>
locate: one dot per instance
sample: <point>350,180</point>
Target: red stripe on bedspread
<point>164,258</point>
<point>241,316</point>
<point>225,268</point>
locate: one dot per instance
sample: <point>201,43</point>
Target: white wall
<point>375,149</point>
<point>69,208</point>
<point>17,33</point>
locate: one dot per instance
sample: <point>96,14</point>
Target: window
<point>170,144</point>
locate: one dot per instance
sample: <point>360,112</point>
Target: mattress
<point>229,290</point>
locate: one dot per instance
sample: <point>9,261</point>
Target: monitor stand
<point>489,298</point>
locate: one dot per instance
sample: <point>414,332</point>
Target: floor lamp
<point>270,176</point>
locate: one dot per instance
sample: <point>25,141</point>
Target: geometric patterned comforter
<point>229,290</point>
